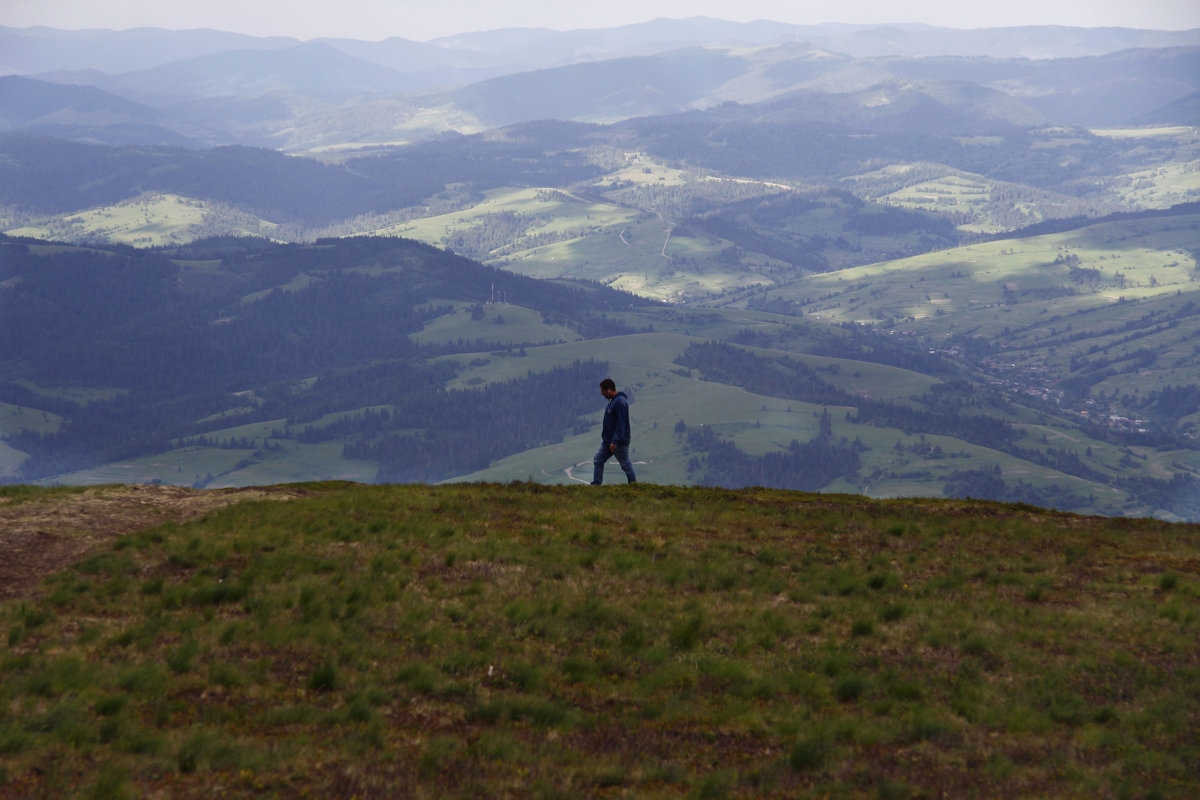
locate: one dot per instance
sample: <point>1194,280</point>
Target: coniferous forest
<point>181,343</point>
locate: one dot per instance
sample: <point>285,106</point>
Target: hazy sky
<point>426,19</point>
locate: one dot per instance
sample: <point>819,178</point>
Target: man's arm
<point>622,433</point>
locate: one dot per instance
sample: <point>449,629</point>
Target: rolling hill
<point>313,69</point>
<point>24,101</point>
<point>885,274</point>
<point>69,112</point>
<point>1186,110</point>
<point>37,50</point>
<point>886,146</point>
<point>336,639</point>
<point>372,355</point>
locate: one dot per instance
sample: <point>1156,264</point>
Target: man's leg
<point>598,460</point>
<point>622,455</point>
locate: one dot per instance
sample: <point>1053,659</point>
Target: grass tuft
<point>809,753</point>
<point>324,678</point>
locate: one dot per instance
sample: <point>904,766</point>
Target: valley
<point>931,275</point>
<point>1076,404</point>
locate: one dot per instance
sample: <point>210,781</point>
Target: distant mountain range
<point>337,93</point>
<point>38,50</point>
<point>80,112</point>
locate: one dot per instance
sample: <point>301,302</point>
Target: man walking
<point>614,435</point>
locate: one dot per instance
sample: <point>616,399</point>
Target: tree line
<point>176,335</point>
<point>935,412</point>
<point>436,433</point>
<point>986,483</point>
<point>802,466</point>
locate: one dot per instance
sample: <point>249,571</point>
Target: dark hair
<point>608,383</point>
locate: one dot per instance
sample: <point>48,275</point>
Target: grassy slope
<point>1174,178</point>
<point>500,323</point>
<point>645,364</point>
<point>974,289</point>
<point>16,418</point>
<point>1005,291</point>
<point>661,397</point>
<point>220,467</point>
<point>602,235</point>
<point>971,195</point>
<point>595,238</point>
<point>489,640</point>
<point>150,220</point>
<point>599,240</point>
<point>966,286</point>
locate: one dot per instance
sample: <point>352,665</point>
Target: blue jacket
<point>616,420</point>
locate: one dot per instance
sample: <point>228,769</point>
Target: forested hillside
<point>235,361</point>
<point>171,346</point>
<point>43,176</point>
<point>832,269</point>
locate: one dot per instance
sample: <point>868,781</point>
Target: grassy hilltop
<point>340,640</point>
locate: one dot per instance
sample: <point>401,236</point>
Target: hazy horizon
<point>421,20</point>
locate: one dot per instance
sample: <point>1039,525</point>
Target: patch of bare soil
<point>42,536</point>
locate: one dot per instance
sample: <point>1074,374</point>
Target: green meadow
<point>647,258</point>
<point>567,234</point>
<point>1175,178</point>
<point>226,467</point>
<point>975,286</point>
<point>547,210</point>
<point>535,641</point>
<point>1118,294</point>
<point>498,323</point>
<point>150,220</point>
<point>16,418</point>
<point>895,463</point>
<point>986,205</point>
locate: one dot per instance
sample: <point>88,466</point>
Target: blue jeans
<point>604,454</point>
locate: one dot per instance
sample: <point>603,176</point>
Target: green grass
<point>491,640</point>
<point>17,418</point>
<point>603,242</point>
<point>1048,304</point>
<point>600,234</point>
<point>75,394</point>
<point>1172,177</point>
<point>217,467</point>
<point>646,257</point>
<point>499,323</point>
<point>562,212</point>
<point>966,286</point>
<point>149,220</point>
<point>663,395</point>
<point>982,204</point>
<point>17,493</point>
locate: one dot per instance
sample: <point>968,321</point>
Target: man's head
<point>608,388</point>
